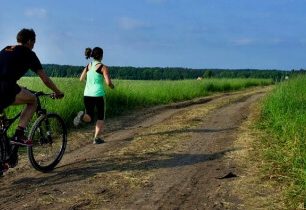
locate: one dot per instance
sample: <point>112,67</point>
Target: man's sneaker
<point>13,161</point>
<point>78,119</point>
<point>22,140</point>
<point>98,141</point>
<point>3,167</point>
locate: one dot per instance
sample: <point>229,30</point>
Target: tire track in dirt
<point>195,185</point>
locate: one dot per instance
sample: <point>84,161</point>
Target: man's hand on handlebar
<point>57,95</point>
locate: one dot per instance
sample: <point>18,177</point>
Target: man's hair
<point>24,35</point>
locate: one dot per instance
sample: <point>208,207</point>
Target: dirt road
<point>168,157</point>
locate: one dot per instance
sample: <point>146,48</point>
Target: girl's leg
<point>86,118</point>
<point>88,114</point>
<point>89,103</point>
<point>99,128</point>
<point>100,122</point>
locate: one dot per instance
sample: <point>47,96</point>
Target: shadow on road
<point>82,170</point>
<point>193,130</point>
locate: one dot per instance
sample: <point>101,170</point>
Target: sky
<point>199,34</point>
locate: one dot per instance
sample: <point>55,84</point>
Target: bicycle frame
<point>6,148</point>
<point>42,137</point>
<point>5,122</point>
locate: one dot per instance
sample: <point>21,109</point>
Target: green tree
<point>208,74</point>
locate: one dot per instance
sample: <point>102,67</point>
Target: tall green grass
<point>137,94</point>
<point>131,94</point>
<point>284,118</point>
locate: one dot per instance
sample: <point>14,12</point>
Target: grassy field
<point>284,120</point>
<point>129,95</point>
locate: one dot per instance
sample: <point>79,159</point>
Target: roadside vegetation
<point>134,94</point>
<point>169,73</point>
<point>283,121</point>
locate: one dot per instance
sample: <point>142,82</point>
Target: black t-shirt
<point>15,61</point>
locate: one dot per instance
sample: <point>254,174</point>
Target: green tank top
<point>94,81</point>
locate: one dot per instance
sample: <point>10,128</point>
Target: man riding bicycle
<point>15,61</point>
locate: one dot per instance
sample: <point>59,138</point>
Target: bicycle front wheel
<point>49,136</point>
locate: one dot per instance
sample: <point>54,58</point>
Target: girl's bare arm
<point>107,78</point>
<point>83,75</point>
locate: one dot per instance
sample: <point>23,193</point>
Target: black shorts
<point>8,92</point>
<point>92,103</point>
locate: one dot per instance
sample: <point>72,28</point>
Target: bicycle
<point>48,134</point>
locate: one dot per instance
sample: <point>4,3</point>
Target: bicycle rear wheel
<point>5,148</point>
<point>49,136</point>
<point>2,156</point>
<point>2,151</point>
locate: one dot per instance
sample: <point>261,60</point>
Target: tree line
<point>169,73</point>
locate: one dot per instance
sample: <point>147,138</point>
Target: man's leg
<point>26,97</point>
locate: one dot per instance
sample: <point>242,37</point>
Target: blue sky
<point>264,34</point>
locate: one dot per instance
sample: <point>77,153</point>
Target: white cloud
<point>157,1</point>
<point>303,41</point>
<point>276,41</point>
<point>36,12</point>
<point>89,19</point>
<point>243,41</point>
<point>128,23</point>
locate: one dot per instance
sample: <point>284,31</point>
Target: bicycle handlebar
<point>41,93</point>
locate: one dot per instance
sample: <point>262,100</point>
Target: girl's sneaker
<point>98,140</point>
<point>78,119</point>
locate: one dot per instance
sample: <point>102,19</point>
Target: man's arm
<point>49,83</point>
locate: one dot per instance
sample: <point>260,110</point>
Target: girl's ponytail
<point>88,52</point>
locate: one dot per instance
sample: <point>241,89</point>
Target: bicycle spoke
<point>49,141</point>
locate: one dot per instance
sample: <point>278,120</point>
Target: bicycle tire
<point>2,156</point>
<point>49,136</point>
<point>2,149</point>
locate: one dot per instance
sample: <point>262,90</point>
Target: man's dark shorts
<point>8,92</point>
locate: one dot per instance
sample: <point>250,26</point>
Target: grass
<point>137,94</point>
<point>284,120</point>
<point>131,95</point>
